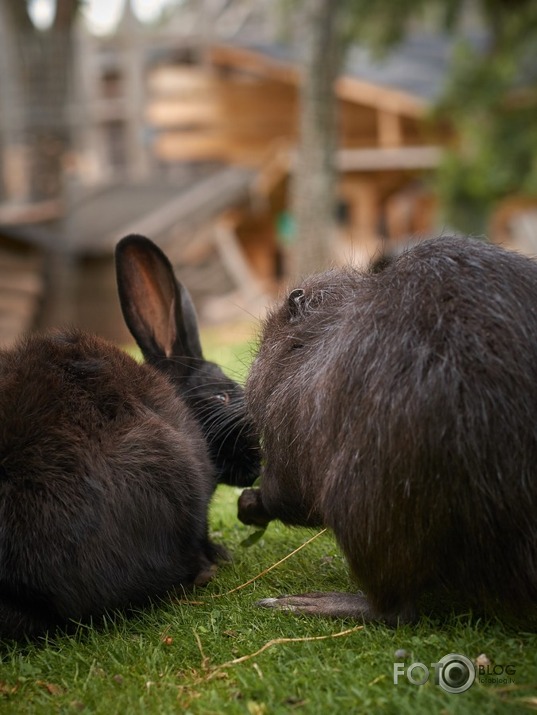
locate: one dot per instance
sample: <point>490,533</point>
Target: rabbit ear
<point>157,308</point>
<point>296,301</point>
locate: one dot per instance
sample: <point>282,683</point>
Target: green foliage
<point>231,346</point>
<point>490,100</point>
<point>495,159</point>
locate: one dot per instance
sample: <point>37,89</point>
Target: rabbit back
<point>104,483</point>
<point>399,409</point>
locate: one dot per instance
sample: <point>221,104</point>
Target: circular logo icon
<point>456,673</point>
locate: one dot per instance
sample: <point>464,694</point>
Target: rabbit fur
<point>399,408</point>
<point>107,466</point>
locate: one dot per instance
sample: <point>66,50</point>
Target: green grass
<point>231,346</point>
<point>175,657</point>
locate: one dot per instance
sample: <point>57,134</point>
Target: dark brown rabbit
<point>399,408</point>
<point>107,466</point>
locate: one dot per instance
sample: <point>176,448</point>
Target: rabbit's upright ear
<point>157,308</point>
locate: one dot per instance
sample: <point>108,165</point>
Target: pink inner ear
<point>172,329</point>
<point>153,298</point>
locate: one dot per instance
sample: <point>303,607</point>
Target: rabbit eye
<point>222,397</point>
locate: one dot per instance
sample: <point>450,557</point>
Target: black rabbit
<point>107,466</point>
<point>399,408</point>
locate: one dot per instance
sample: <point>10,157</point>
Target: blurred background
<point>254,141</point>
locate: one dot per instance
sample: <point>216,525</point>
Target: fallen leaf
<point>7,689</point>
<point>482,660</point>
<point>50,687</point>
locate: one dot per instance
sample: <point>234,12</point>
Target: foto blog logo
<point>454,673</point>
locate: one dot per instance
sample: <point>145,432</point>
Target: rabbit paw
<point>337,605</point>
<point>205,575</point>
<point>251,510</point>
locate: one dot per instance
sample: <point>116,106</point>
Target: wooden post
<point>366,211</point>
<point>389,132</point>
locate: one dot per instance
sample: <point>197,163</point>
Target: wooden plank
<point>183,81</point>
<point>31,213</point>
<point>253,62</point>
<point>172,113</point>
<point>197,146</point>
<point>390,159</point>
<point>237,105</point>
<point>390,100</point>
<point>191,146</point>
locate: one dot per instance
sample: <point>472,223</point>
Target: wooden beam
<point>171,113</point>
<point>390,159</point>
<point>389,100</point>
<point>253,62</point>
<point>233,258</point>
<point>191,146</point>
<point>173,81</point>
<point>31,213</point>
<point>214,146</point>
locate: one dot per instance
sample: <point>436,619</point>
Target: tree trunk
<point>314,190</point>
